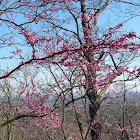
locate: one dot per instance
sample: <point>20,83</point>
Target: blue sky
<point>108,18</point>
<point>134,23</point>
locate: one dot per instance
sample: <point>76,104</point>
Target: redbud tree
<point>60,38</point>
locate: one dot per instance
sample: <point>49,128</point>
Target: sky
<point>134,24</point>
<point>120,13</point>
<point>108,18</point>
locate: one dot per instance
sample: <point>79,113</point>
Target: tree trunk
<point>94,104</point>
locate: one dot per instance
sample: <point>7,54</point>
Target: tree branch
<point>99,11</point>
<point>39,115</point>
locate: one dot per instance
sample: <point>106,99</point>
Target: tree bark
<point>94,105</point>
